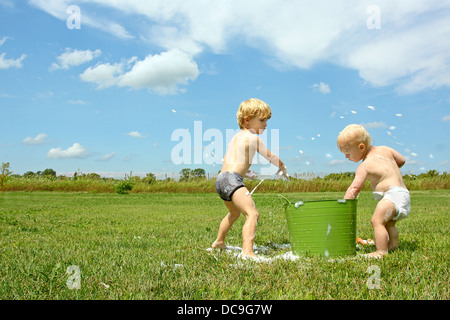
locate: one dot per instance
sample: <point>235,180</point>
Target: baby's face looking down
<point>353,151</point>
<point>354,141</point>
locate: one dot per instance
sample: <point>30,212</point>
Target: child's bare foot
<point>376,254</point>
<point>253,257</point>
<point>219,245</point>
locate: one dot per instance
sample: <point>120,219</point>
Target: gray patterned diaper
<point>227,183</point>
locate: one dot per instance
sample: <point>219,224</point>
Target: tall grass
<point>337,183</point>
<point>62,185</point>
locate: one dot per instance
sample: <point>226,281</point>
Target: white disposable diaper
<point>399,197</point>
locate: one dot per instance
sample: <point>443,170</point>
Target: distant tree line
<point>188,174</point>
<point>185,175</point>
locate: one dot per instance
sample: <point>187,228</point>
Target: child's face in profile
<point>257,125</point>
<point>352,151</point>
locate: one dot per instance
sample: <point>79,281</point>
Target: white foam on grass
<point>175,266</point>
<point>226,248</point>
<point>287,256</point>
<point>237,252</point>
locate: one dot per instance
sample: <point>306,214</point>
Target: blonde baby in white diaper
<point>381,166</point>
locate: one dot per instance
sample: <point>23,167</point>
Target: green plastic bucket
<point>323,227</point>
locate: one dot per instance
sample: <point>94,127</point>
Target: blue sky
<point>101,86</point>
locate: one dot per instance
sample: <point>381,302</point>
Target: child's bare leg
<point>393,235</point>
<point>383,214</point>
<point>226,224</point>
<point>244,202</point>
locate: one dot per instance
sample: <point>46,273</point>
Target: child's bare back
<point>383,168</point>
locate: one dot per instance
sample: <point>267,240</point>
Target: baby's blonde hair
<point>354,134</point>
<point>252,108</point>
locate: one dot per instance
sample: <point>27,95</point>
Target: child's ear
<point>362,146</point>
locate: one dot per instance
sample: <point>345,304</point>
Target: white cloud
<point>3,40</point>
<point>44,95</point>
<point>135,134</point>
<point>412,57</point>
<point>322,87</point>
<point>73,58</point>
<point>104,75</point>
<point>410,50</point>
<point>58,9</point>
<point>446,118</point>
<point>107,26</point>
<point>75,151</point>
<point>11,63</point>
<point>107,157</point>
<point>161,73</point>
<point>39,139</point>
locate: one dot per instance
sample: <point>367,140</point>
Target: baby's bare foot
<point>376,254</point>
<point>393,247</point>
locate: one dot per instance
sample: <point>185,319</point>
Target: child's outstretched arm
<point>357,184</point>
<point>271,157</point>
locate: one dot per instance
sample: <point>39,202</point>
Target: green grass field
<point>153,246</point>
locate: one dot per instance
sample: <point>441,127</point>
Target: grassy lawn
<point>153,246</point>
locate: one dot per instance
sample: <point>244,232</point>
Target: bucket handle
<point>285,199</point>
<point>288,203</point>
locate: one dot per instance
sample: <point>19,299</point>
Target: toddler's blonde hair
<point>252,108</point>
<point>354,134</point>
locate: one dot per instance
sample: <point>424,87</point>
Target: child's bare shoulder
<point>380,155</point>
<point>244,140</point>
<point>385,148</point>
<point>386,152</point>
<point>246,137</point>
